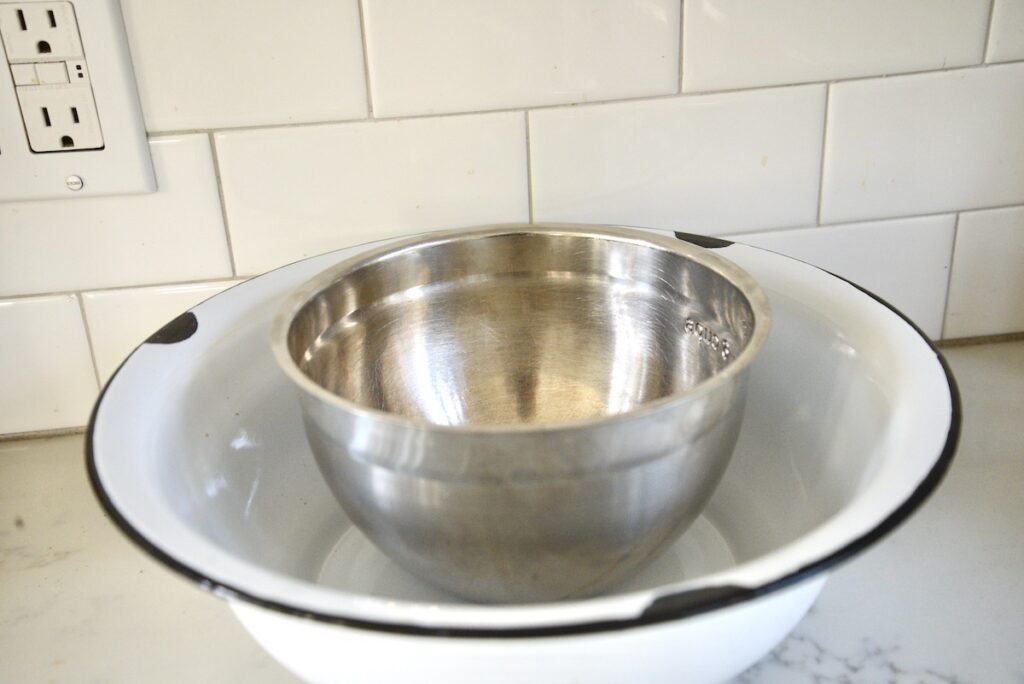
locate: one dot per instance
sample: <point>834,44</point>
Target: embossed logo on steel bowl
<point>705,336</point>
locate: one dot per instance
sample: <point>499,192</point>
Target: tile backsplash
<point>744,44</point>
<point>883,141</point>
<point>119,319</point>
<point>204,64</point>
<point>467,55</point>
<point>921,247</point>
<point>300,191</point>
<point>47,371</point>
<point>924,143</point>
<point>1006,40</point>
<point>716,163</point>
<point>172,235</point>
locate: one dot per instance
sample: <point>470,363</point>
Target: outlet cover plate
<point>124,165</point>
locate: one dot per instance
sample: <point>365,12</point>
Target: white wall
<point>882,140</point>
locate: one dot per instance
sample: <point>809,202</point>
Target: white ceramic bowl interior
<point>197,451</point>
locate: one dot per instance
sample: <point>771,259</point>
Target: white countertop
<point>939,600</point>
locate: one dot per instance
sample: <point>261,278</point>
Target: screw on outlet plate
<point>74,183</point>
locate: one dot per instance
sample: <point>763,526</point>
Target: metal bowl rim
<point>725,268</point>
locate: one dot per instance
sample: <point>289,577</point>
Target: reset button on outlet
<point>52,73</point>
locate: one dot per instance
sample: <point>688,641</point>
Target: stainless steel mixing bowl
<point>524,413</point>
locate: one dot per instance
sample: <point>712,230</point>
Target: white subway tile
<point>465,55</point>
<point>904,261</point>
<point>986,291</point>
<point>176,233</point>
<point>295,192</point>
<point>48,379</point>
<point>1006,39</point>
<point>120,320</point>
<point>203,64</point>
<point>739,44</point>
<point>706,164</point>
<point>925,143</point>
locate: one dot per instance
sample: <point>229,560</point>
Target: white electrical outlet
<point>54,91</point>
<point>73,103</point>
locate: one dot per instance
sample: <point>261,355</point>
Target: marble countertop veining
<point>940,600</point>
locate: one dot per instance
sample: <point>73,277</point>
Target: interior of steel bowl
<point>520,327</point>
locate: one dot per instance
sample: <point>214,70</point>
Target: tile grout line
<point>679,62</point>
<point>946,212</point>
<point>949,276</point>
<point>223,204</point>
<point>824,141</point>
<point>737,233</point>
<point>115,288</point>
<point>976,340</point>
<point>988,31</point>
<point>366,61</point>
<point>845,79</point>
<point>42,434</point>
<point>477,112</point>
<point>877,219</point>
<point>577,105</point>
<point>529,169</point>
<point>88,338</point>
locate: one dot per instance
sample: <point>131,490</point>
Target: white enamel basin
<point>197,451</point>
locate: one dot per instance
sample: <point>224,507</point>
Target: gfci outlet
<point>70,123</point>
<point>54,91</point>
